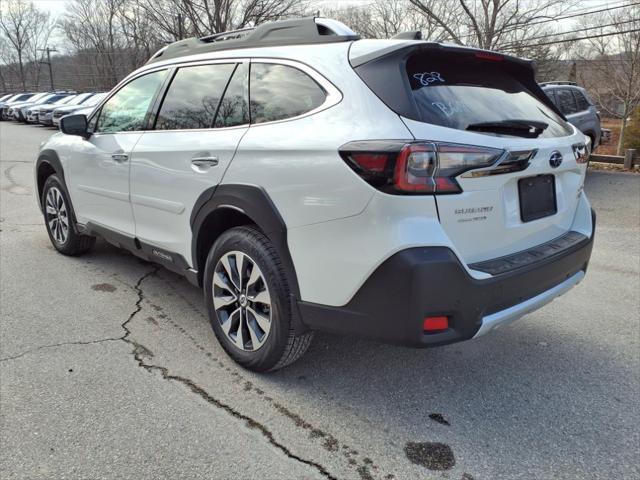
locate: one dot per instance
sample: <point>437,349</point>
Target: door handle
<point>204,162</point>
<point>119,157</point>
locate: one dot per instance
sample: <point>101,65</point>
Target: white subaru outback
<point>414,192</point>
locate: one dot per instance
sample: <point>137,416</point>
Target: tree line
<point>98,42</point>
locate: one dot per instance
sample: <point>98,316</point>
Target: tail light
<point>581,152</point>
<point>416,168</point>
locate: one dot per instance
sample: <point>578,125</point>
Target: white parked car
<point>83,106</point>
<point>409,191</point>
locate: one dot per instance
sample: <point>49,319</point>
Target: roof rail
<point>299,31</point>
<point>559,82</point>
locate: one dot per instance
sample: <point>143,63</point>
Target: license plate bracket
<point>537,197</point>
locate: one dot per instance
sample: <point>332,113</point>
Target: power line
<point>562,17</point>
<point>573,15</point>
<point>573,31</point>
<point>584,38</point>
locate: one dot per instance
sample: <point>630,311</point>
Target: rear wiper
<point>519,128</point>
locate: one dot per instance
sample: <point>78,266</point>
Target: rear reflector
<point>435,324</point>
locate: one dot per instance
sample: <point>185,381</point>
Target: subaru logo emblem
<point>555,159</point>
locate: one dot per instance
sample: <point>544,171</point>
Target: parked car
<point>5,105</point>
<point>575,104</point>
<point>15,110</point>
<point>49,98</point>
<point>88,104</point>
<point>414,192</point>
<point>31,111</point>
<point>45,114</point>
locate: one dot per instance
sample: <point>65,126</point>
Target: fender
<point>51,158</point>
<point>255,203</point>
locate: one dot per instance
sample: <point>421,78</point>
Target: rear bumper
<point>430,281</point>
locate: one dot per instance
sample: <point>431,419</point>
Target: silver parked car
<point>574,102</point>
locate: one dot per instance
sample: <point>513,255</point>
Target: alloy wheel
<point>242,301</point>
<point>57,216</point>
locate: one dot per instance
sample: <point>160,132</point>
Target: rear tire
<point>60,220</point>
<point>248,301</point>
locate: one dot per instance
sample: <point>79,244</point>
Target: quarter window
<point>127,110</point>
<point>279,92</point>
<point>566,102</point>
<point>193,97</point>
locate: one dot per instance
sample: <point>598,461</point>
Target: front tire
<point>60,221</point>
<point>248,301</point>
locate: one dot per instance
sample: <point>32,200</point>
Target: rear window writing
<point>458,92</point>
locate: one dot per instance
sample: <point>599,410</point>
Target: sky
<point>57,8</point>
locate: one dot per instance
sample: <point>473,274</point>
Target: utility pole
<point>48,62</point>
<point>180,33</point>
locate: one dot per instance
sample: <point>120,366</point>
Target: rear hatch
<point>524,195</point>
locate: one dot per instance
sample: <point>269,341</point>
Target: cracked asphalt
<point>109,369</point>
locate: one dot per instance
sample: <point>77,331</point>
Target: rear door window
<point>566,101</point>
<point>194,96</point>
<point>459,91</point>
<point>581,102</point>
<point>234,107</point>
<point>278,92</point>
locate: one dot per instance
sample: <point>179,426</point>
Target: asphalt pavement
<point>109,369</point>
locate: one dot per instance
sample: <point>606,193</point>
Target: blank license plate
<point>537,197</point>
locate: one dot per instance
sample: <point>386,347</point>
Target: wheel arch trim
<point>253,202</point>
<point>48,157</point>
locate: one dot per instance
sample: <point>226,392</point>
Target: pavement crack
<point>138,305</point>
<point>56,345</point>
<point>137,309</point>
<point>139,355</point>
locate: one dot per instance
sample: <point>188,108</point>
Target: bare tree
<point>386,18</point>
<point>182,18</point>
<point>611,64</point>
<point>108,36</point>
<point>24,29</point>
<point>491,24</point>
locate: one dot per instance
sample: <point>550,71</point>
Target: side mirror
<point>74,125</point>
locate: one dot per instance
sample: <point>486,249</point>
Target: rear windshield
<point>458,91</point>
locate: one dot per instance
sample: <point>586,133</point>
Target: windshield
<point>21,97</point>
<point>65,100</point>
<point>96,99</point>
<point>46,98</point>
<point>77,100</point>
<point>459,92</point>
<point>37,97</point>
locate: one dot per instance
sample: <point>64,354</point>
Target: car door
<point>202,117</point>
<point>98,173</point>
